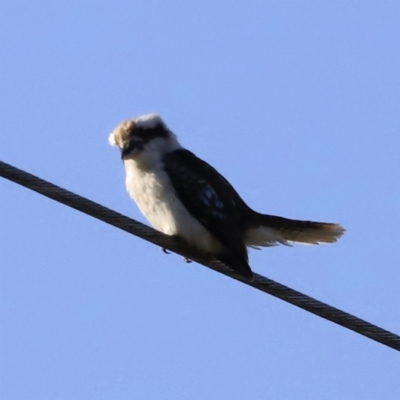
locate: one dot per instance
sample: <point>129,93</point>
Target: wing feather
<point>212,200</point>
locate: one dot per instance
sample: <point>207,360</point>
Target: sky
<point>296,103</point>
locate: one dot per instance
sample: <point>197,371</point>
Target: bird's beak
<point>125,152</point>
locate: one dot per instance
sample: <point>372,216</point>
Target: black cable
<point>168,242</point>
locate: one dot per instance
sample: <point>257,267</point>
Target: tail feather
<point>271,230</point>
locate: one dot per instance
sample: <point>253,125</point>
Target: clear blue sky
<point>297,103</point>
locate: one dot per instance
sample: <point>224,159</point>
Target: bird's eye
<point>139,134</point>
<point>132,147</point>
<point>135,144</point>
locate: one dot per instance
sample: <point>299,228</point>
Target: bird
<point>181,195</point>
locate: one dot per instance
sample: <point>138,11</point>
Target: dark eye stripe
<point>145,135</point>
<point>134,145</point>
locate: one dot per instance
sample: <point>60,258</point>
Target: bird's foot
<point>187,260</point>
<point>165,251</point>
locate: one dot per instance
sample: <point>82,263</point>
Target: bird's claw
<point>187,260</point>
<point>165,251</point>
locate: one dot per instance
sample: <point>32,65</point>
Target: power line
<point>171,243</point>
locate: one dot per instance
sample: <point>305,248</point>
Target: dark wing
<point>211,199</point>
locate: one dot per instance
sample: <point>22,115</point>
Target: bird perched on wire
<point>182,195</point>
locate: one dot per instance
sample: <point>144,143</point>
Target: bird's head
<point>143,138</point>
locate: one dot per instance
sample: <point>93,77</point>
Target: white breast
<point>155,196</point>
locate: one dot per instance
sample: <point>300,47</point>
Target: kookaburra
<point>182,195</point>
